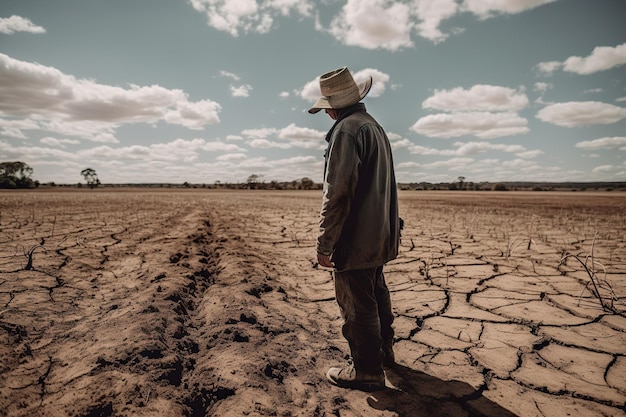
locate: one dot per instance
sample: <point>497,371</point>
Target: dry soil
<point>135,302</point>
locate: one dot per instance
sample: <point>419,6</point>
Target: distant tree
<point>307,183</point>
<point>461,182</point>
<point>275,185</point>
<point>16,175</point>
<point>91,177</point>
<point>252,181</point>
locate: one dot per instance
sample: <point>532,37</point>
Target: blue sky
<point>218,90</point>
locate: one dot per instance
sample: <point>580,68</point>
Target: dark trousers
<point>365,305</point>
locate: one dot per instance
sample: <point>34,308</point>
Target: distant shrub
<point>499,187</point>
<point>16,175</point>
<point>7,183</point>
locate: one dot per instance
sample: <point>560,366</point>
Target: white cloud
<point>486,9</point>
<point>521,164</point>
<point>452,164</point>
<point>230,15</point>
<point>473,148</point>
<point>177,150</point>
<point>14,128</point>
<point>379,80</point>
<point>231,157</point>
<point>94,131</point>
<point>254,163</point>
<point>604,143</point>
<point>542,87</point>
<point>484,111</point>
<point>304,8</point>
<point>240,91</point>
<point>192,115</point>
<point>369,24</point>
<point>477,98</point>
<point>373,24</point>
<point>431,13</point>
<point>230,75</point>
<point>402,143</point>
<point>483,125</point>
<point>603,168</point>
<point>303,137</point>
<point>387,24</point>
<point>311,90</point>
<point>581,113</point>
<point>245,16</point>
<point>423,150</point>
<point>297,166</point>
<point>294,132</point>
<point>283,94</point>
<point>34,153</point>
<point>529,154</point>
<point>13,24</point>
<point>265,144</point>
<point>547,68</point>
<point>60,102</point>
<point>307,144</point>
<point>12,132</point>
<point>50,141</point>
<point>175,161</point>
<point>411,164</point>
<point>602,58</point>
<point>259,133</point>
<point>397,141</point>
<point>292,136</point>
<point>215,146</point>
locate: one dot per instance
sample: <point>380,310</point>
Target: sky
<point>201,91</point>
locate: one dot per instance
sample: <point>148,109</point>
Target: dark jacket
<point>359,224</point>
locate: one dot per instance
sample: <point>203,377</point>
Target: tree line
<point>17,174</point>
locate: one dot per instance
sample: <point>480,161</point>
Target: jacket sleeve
<point>340,181</point>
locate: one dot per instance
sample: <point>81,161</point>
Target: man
<point>359,228</point>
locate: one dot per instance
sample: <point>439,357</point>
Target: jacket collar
<point>343,113</point>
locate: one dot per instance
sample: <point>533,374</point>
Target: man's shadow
<point>417,394</point>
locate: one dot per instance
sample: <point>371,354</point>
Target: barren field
<point>199,303</point>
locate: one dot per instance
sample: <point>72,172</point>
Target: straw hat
<point>339,90</point>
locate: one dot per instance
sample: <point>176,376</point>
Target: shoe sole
<point>364,386</point>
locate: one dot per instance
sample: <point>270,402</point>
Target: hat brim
<point>323,103</point>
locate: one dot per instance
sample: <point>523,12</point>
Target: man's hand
<point>324,260</point>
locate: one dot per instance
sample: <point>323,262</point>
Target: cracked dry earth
<point>195,303</point>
